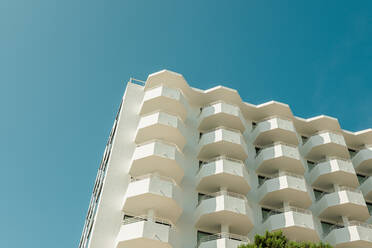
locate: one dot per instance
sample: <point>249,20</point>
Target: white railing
<point>326,131</point>
<point>223,235</point>
<point>224,128</point>
<point>327,159</point>
<point>275,144</point>
<point>162,111</point>
<point>222,157</point>
<point>285,210</point>
<point>358,223</point>
<point>160,141</point>
<point>298,210</point>
<point>286,173</point>
<point>134,219</point>
<point>153,175</point>
<point>222,193</point>
<point>341,188</point>
<point>274,117</point>
<point>277,175</point>
<point>217,102</point>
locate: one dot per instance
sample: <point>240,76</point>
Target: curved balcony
<point>274,129</point>
<point>166,99</point>
<point>223,172</point>
<point>222,240</point>
<point>279,156</point>
<point>161,126</point>
<point>222,141</point>
<point>296,224</point>
<point>224,208</point>
<point>333,171</point>
<point>221,114</point>
<point>344,202</point>
<point>366,188</point>
<point>153,192</point>
<point>139,232</point>
<point>325,144</point>
<point>157,156</point>
<point>355,235</point>
<point>285,188</point>
<point>363,161</point>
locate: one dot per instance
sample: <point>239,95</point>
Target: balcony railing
<point>221,236</point>
<point>217,102</point>
<point>220,193</point>
<point>359,223</point>
<point>340,188</point>
<point>284,210</point>
<point>279,174</point>
<point>219,158</point>
<point>161,141</point>
<point>153,175</point>
<point>133,219</point>
<point>274,144</point>
<point>221,127</point>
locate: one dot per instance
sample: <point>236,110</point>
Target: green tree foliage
<point>278,240</point>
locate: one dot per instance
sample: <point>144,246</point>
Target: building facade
<point>188,168</point>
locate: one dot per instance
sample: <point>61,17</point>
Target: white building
<point>188,168</point>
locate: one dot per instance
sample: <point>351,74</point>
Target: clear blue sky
<point>64,66</point>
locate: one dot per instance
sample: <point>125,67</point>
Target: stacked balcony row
<point>158,167</point>
<point>153,201</point>
<point>223,213</point>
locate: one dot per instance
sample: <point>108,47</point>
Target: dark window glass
<point>318,194</point>
<point>361,178</point>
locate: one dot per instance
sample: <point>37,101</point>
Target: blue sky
<point>64,66</point>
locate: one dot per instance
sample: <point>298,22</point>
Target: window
<point>267,212</point>
<point>254,124</point>
<point>310,165</point>
<point>369,206</point>
<point>352,152</point>
<point>318,194</point>
<point>202,236</point>
<point>328,227</point>
<point>361,178</point>
<point>258,149</point>
<point>200,197</point>
<point>261,180</point>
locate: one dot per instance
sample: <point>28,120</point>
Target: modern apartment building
<point>186,168</point>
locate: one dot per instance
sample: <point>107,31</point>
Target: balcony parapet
<point>363,161</point>
<point>165,99</point>
<point>222,240</point>
<point>296,223</point>
<point>140,232</point>
<point>220,113</point>
<point>279,156</point>
<point>274,129</point>
<point>355,235</point>
<point>286,187</point>
<point>162,126</point>
<point>345,201</point>
<point>222,141</point>
<point>223,172</point>
<point>325,143</point>
<point>333,170</point>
